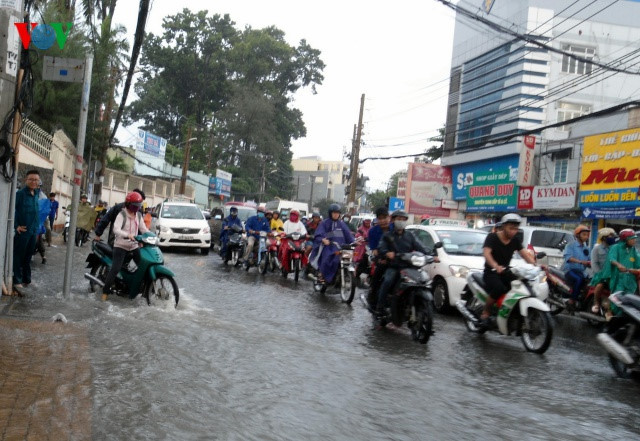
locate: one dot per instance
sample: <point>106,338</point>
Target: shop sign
<point>427,186</point>
<point>558,196</point>
<point>611,213</point>
<point>526,169</point>
<point>611,170</point>
<point>488,185</point>
<point>402,187</point>
<point>396,204</point>
<point>451,205</point>
<point>446,223</point>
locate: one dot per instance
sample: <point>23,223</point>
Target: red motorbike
<point>273,245</point>
<point>292,255</point>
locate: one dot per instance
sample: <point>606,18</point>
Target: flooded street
<point>250,357</point>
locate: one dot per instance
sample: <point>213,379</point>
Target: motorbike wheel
<point>423,327</point>
<point>234,257</point>
<point>296,270</point>
<point>536,331</point>
<point>476,308</point>
<point>262,267</point>
<point>65,231</point>
<point>162,291</point>
<point>621,369</point>
<point>273,264</point>
<point>441,296</point>
<point>345,287</point>
<point>100,271</point>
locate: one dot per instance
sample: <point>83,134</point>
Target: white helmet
<point>511,218</point>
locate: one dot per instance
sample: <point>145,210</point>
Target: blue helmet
<point>334,208</point>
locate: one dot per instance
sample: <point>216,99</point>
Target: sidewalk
<point>45,367</point>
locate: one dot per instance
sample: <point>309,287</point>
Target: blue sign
<point>150,143</point>
<point>396,204</point>
<point>220,186</point>
<point>464,175</point>
<point>620,197</point>
<point>610,213</point>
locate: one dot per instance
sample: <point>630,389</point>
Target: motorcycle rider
<point>623,264</point>
<point>125,227</point>
<point>255,224</point>
<point>311,227</point>
<point>276,222</point>
<point>360,257</point>
<point>110,217</point>
<point>227,223</point>
<point>498,249</point>
<point>599,253</point>
<point>577,259</point>
<point>292,225</point>
<point>324,253</point>
<point>376,233</point>
<point>398,241</point>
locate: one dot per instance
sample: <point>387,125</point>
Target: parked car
<point>181,224</point>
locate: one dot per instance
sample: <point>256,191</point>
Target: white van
<point>181,224</point>
<point>284,207</point>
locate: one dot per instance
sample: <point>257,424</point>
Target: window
<point>424,237</point>
<point>571,65</point>
<point>567,111</point>
<point>560,171</point>
<point>550,239</point>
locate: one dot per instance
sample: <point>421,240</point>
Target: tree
<point>117,163</point>
<point>377,199</point>
<point>434,153</point>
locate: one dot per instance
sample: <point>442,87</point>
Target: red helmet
<point>133,197</point>
<point>627,234</point>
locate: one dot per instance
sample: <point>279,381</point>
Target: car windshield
<point>462,243</point>
<point>181,212</point>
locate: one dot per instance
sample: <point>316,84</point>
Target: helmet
<point>261,210</point>
<point>84,196</point>
<point>304,218</point>
<point>580,229</point>
<point>604,232</point>
<point>627,234</point>
<point>294,212</point>
<point>425,216</point>
<point>511,218</point>
<point>132,198</point>
<point>334,208</point>
<point>268,212</point>
<point>315,214</point>
<point>276,212</point>
<point>399,213</point>
<point>233,209</point>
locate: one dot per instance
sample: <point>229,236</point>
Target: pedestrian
<point>147,217</point>
<point>27,224</point>
<point>53,214</point>
<point>44,209</point>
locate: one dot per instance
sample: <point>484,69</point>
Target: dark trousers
<point>388,282</point>
<point>39,245</point>
<point>119,255</point>
<point>376,281</point>
<point>497,284</point>
<point>23,246</point>
<point>576,279</point>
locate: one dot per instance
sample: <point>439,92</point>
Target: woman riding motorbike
<point>623,264</point>
<point>292,225</point>
<point>599,253</point>
<point>325,255</point>
<point>276,222</point>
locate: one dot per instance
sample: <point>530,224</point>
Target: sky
<point>397,54</point>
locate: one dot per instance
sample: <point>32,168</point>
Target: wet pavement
<point>247,357</point>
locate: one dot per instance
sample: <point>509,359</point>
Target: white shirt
<point>294,227</point>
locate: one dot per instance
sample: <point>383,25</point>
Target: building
<point>502,87</point>
<point>328,179</point>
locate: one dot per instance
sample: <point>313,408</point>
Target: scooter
<point>258,257</point>
<point>67,221</point>
<point>621,338</point>
<point>296,243</point>
<point>235,246</point>
<point>411,300</point>
<point>345,274</point>
<point>273,244</point>
<point>518,312</point>
<point>149,276</point>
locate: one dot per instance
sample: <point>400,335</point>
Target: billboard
<point>610,177</point>
<point>427,186</point>
<point>396,204</point>
<point>551,197</point>
<point>220,184</point>
<point>526,165</point>
<point>402,187</point>
<point>149,143</point>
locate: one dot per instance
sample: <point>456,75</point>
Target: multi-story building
<point>502,87</point>
<point>316,179</point>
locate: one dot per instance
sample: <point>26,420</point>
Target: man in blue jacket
<point>324,255</point>
<point>27,224</point>
<point>255,224</point>
<point>227,223</point>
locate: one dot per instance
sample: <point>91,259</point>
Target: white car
<point>182,224</point>
<point>461,253</point>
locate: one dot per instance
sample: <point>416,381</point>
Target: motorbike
<point>67,221</point>
<point>621,339</point>
<point>296,243</point>
<point>411,300</point>
<point>273,244</point>
<point>82,236</point>
<point>346,272</point>
<point>560,290</point>
<point>258,257</point>
<point>149,276</point>
<point>235,246</point>
<point>518,312</point>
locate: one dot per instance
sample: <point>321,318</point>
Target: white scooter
<point>518,312</point>
<point>67,221</point>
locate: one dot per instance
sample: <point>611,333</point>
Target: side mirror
<point>541,255</point>
<point>154,214</point>
<point>437,245</point>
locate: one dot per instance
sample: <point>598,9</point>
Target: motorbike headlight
<point>151,240</point>
<point>418,260</point>
<point>206,230</point>
<point>459,271</point>
<point>164,229</point>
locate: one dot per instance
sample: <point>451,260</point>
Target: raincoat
<point>626,256</point>
<point>358,253</point>
<point>324,258</point>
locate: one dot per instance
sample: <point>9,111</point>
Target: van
<point>552,241</point>
<point>181,224</point>
<point>285,207</point>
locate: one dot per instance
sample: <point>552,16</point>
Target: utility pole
<point>313,180</point>
<point>185,165</point>
<point>355,157</point>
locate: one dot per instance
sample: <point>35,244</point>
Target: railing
<point>36,139</point>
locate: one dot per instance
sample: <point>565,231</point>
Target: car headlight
<point>164,229</point>
<point>418,260</point>
<point>459,271</point>
<point>206,230</point>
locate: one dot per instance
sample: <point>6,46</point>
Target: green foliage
<point>377,199</point>
<point>117,163</point>
<point>323,206</point>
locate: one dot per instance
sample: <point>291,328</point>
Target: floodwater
<point>251,357</point>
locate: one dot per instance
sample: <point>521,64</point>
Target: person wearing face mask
<point>126,226</point>
<point>255,224</point>
<point>329,232</point>
<point>292,225</point>
<point>606,238</point>
<point>109,218</point>
<point>227,223</point>
<point>623,264</point>
<point>576,261</point>
<point>398,241</point>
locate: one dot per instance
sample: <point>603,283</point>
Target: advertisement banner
<point>611,213</point>
<point>427,186</point>
<point>487,185</point>
<point>221,184</point>
<point>557,196</point>
<point>151,144</point>
<point>402,187</point>
<point>526,169</point>
<point>396,204</point>
<point>610,175</point>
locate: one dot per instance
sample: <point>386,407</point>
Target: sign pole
<point>77,177</point>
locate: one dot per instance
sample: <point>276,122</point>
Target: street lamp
<point>178,145</point>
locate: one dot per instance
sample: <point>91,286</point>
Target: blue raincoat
<point>324,258</point>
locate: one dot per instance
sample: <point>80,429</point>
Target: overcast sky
<point>398,54</point>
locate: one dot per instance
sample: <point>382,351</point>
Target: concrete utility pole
<point>185,165</point>
<point>355,157</point>
<point>77,178</point>
<point>9,64</point>
<point>313,181</point>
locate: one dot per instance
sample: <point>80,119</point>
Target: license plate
<point>184,237</point>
